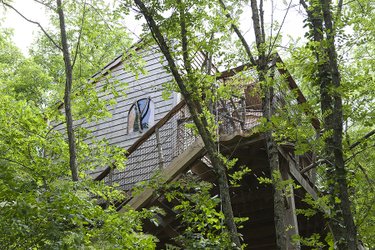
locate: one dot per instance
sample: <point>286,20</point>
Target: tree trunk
<point>279,206</point>
<point>67,94</point>
<point>342,223</point>
<point>196,109</point>
<point>348,232</point>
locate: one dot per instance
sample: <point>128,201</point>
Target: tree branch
<point>201,123</point>
<point>80,35</point>
<point>357,153</point>
<point>33,22</point>
<point>303,3</point>
<point>313,165</point>
<point>67,93</point>
<point>184,41</point>
<point>46,5</point>
<point>339,10</point>
<point>261,13</point>
<point>18,163</point>
<point>278,32</point>
<point>239,34</point>
<point>256,24</point>
<point>368,135</point>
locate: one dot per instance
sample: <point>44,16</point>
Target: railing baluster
<point>160,149</point>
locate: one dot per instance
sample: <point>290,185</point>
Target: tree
<point>68,92</point>
<point>265,52</point>
<point>88,21</point>
<point>202,118</point>
<point>40,206</point>
<point>34,184</point>
<point>321,20</point>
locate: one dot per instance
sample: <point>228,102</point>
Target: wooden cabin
<point>153,131</point>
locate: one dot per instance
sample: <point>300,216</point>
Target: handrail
<point>291,84</point>
<point>144,138</point>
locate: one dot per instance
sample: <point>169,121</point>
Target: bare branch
<point>271,30</point>
<point>67,93</point>
<point>46,5</point>
<point>257,27</point>
<point>239,34</point>
<point>278,32</point>
<point>339,10</point>
<point>357,153</point>
<point>313,165</point>
<point>80,35</point>
<point>368,179</point>
<point>261,13</point>
<point>34,22</point>
<point>303,3</point>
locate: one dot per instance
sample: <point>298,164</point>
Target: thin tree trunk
<point>67,94</point>
<point>272,152</point>
<point>196,109</point>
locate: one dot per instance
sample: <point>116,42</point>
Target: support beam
<point>297,175</point>
<point>177,166</point>
<point>290,210</point>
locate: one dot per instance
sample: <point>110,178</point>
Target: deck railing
<point>168,138</point>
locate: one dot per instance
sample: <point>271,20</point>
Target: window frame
<point>139,115</point>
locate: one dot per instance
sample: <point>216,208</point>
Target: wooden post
<point>110,177</point>
<point>290,210</point>
<point>225,109</point>
<point>235,112</point>
<point>243,103</point>
<point>160,149</point>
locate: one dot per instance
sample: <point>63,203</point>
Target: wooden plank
<point>297,176</point>
<point>140,200</point>
<point>180,164</point>
<point>177,166</point>
<point>203,171</point>
<point>290,210</point>
<point>302,181</point>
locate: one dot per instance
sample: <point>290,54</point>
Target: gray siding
<point>114,128</point>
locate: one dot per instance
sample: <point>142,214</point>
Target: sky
<point>24,31</point>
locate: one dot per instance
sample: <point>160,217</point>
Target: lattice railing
<point>168,139</point>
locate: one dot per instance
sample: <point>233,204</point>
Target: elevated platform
<point>250,199</point>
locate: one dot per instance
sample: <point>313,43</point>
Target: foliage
<point>201,222</point>
<point>40,206</point>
